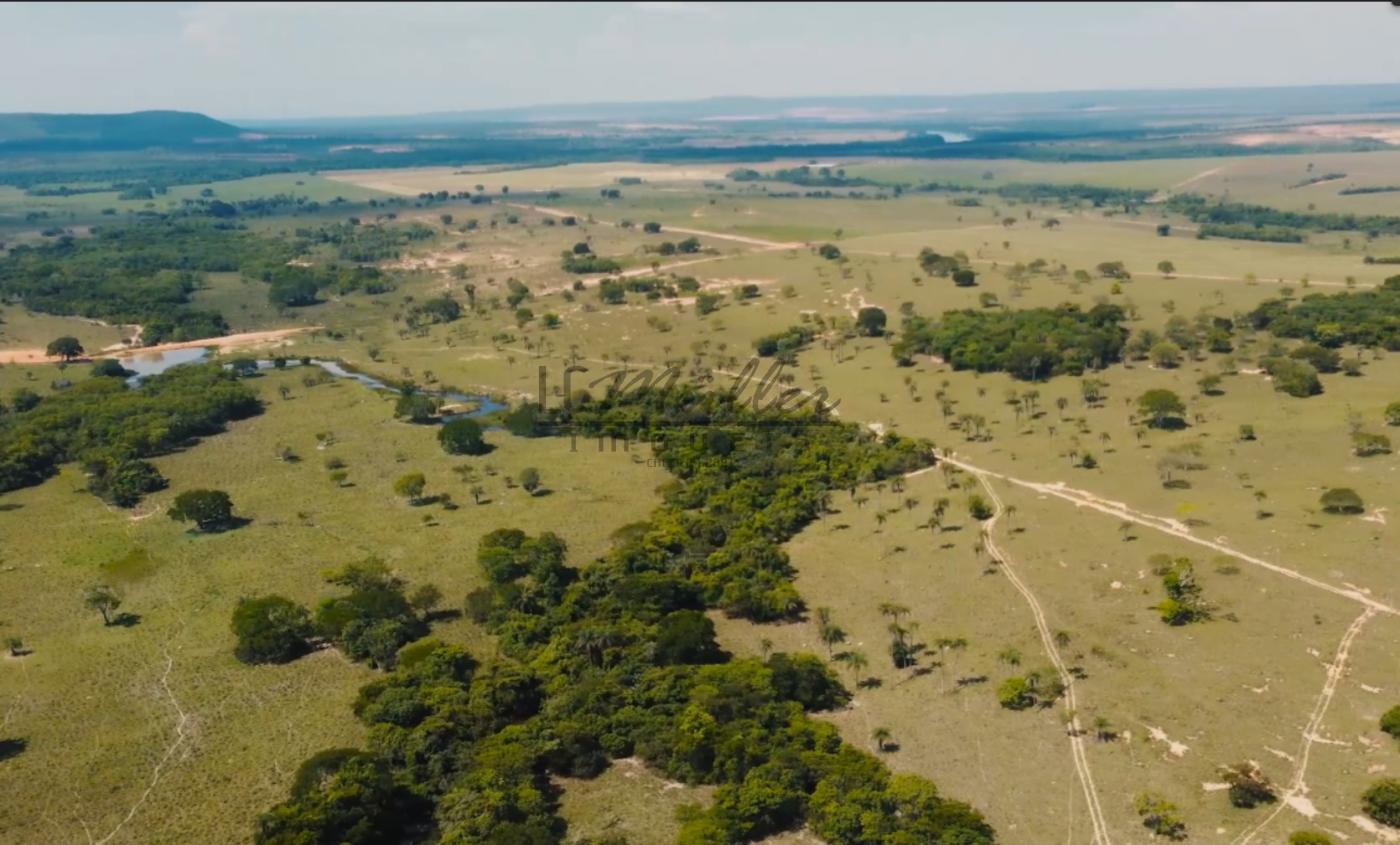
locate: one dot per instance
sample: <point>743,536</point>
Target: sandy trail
<point>1076,738</point>
<point>724,236</point>
<point>223,343</point>
<point>1295,795</point>
<point>1162,195</point>
<point>1083,498</point>
<point>1141,273</point>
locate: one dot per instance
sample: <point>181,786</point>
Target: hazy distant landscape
<point>861,470</point>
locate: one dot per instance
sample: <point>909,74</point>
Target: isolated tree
<point>882,737</point>
<point>1382,801</point>
<point>270,629</point>
<point>1309,837</point>
<point>109,368</point>
<point>209,510</point>
<point>857,662</point>
<point>65,347</point>
<point>1165,355</point>
<point>1160,816</point>
<point>425,598</point>
<point>829,251</point>
<point>415,407</point>
<point>964,278</point>
<point>104,600</point>
<point>651,227</point>
<point>1164,229</point>
<point>1161,407</point>
<point>1248,786</point>
<point>871,321</point>
<point>530,480</point>
<point>1390,721</point>
<point>410,486</point>
<point>462,437</point>
<point>1392,413</point>
<point>1342,500</point>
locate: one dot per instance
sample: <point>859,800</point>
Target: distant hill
<point>32,130</point>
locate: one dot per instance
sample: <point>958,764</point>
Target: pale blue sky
<point>323,59</point>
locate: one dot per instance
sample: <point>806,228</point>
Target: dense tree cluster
<point>367,243</point>
<point>1366,318</point>
<point>110,427</point>
<point>618,659</point>
<point>296,285</point>
<point>142,273</point>
<point>1218,212</point>
<point>1028,344</point>
<point>784,344</point>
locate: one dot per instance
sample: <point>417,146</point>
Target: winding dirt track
<point>1076,734</point>
<point>1298,786</point>
<point>1082,498</point>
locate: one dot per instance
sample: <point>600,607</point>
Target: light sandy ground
<point>222,344</point>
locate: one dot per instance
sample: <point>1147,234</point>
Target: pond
<point>143,364</point>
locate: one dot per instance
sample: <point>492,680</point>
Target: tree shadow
<point>125,620</point>
<point>889,747</point>
<point>10,506</point>
<point>541,491</point>
<point>12,748</point>
<point>233,524</point>
<point>444,615</point>
<point>1169,424</point>
<point>1177,484</point>
<point>870,683</point>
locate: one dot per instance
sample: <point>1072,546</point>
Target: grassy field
<point>106,710</point>
<point>1181,701</point>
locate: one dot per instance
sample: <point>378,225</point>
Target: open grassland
<point>23,217</point>
<point>413,181</point>
<point>108,712</point>
<point>1179,702</point>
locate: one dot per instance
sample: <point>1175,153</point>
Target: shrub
<point>270,629</point>
<point>1342,500</point>
<point>209,510</point>
<point>1390,721</point>
<point>462,437</point>
<point>1382,801</point>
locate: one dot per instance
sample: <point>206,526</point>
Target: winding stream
<point>147,364</point>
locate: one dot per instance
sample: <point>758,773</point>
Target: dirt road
<point>223,343</point>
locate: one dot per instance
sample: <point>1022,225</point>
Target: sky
<point>294,59</point>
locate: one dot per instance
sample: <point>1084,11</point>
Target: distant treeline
<point>141,273</point>
<point>1248,232</point>
<point>1373,189</point>
<point>805,176</point>
<point>111,427</point>
<point>1029,344</point>
<point>1098,195</point>
<point>1313,180</point>
<point>1207,211</point>
<point>1368,318</point>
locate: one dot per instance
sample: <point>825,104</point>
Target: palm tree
<point>893,610</point>
<point>881,736</point>
<point>831,636</point>
<point>857,662</point>
<point>765,646</point>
